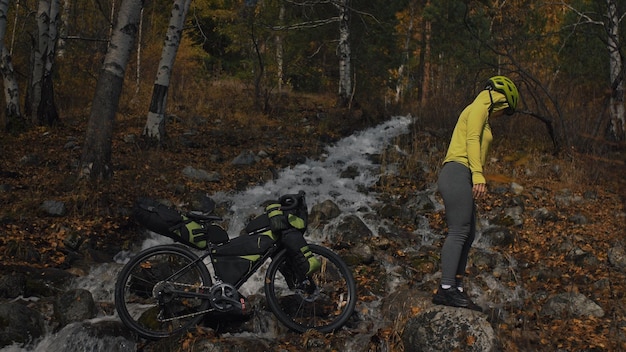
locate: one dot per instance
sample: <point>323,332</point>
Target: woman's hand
<point>479,190</point>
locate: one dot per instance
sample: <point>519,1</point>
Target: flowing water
<point>320,179</point>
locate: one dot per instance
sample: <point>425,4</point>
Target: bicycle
<point>168,289</point>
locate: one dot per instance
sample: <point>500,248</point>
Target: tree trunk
<point>47,110</point>
<point>11,91</point>
<point>279,50</point>
<point>138,69</point>
<point>403,73</point>
<point>425,74</point>
<point>66,10</point>
<point>616,68</point>
<point>96,157</point>
<point>155,124</point>
<point>4,6</point>
<point>345,82</point>
<point>43,18</point>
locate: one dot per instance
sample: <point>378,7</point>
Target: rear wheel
<point>145,296</point>
<point>324,302</point>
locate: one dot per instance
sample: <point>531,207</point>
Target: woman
<point>461,181</point>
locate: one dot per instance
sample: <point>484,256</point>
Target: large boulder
<point>444,328</point>
<point>74,305</point>
<point>19,324</point>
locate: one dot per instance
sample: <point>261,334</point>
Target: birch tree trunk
<point>155,124</point>
<point>65,23</point>
<point>11,92</point>
<point>47,110</point>
<point>96,158</point>
<point>345,67</point>
<point>616,67</point>
<point>43,17</point>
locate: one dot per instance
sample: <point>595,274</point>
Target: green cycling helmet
<point>505,86</point>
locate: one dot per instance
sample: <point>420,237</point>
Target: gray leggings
<point>455,186</point>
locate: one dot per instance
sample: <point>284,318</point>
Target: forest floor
<point>40,165</point>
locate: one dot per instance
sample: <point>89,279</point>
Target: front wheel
<point>146,295</point>
<point>324,301</point>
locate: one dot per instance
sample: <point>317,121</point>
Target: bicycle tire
<point>151,313</point>
<point>326,310</point>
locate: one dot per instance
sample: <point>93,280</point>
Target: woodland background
<point>255,67</point>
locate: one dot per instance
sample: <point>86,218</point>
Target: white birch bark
<point>11,91</point>
<point>64,18</point>
<point>96,157</point>
<point>43,18</point>
<point>616,66</point>
<point>345,66</point>
<point>46,110</point>
<point>155,124</point>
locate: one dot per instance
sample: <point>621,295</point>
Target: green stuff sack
<point>171,223</point>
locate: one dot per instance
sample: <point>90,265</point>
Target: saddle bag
<point>169,222</point>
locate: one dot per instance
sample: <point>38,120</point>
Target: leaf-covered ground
<point>40,164</point>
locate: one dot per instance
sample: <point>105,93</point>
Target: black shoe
<point>452,297</point>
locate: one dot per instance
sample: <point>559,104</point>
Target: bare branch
<point>581,15</point>
<point>309,24</point>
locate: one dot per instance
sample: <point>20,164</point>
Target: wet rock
<point>110,336</point>
<point>350,172</point>
<point>352,230</point>
<point>360,253</point>
<point>12,285</point>
<point>19,324</point>
<point>323,212</point>
<point>75,305</point>
<point>421,203</point>
<point>46,282</point>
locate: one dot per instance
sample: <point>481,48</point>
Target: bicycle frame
<point>269,253</point>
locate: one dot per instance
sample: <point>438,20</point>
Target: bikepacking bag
<point>295,216</point>
<point>167,221</point>
<point>232,260</point>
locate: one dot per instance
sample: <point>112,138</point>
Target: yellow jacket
<point>472,136</point>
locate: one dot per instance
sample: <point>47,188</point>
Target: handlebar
<point>291,201</point>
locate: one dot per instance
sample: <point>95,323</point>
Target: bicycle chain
<point>190,315</point>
